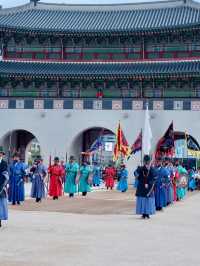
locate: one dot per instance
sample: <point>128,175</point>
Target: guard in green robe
<point>72,169</point>
<point>84,180</point>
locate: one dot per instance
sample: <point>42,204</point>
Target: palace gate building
<point>67,71</point>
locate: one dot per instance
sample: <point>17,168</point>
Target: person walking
<point>39,173</point>
<point>16,192</point>
<point>84,179</point>
<point>145,198</point>
<point>4,177</point>
<point>56,172</point>
<point>123,179</point>
<point>72,169</point>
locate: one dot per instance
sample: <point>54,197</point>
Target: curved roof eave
<point>98,31</point>
<point>132,17</point>
<point>95,70</point>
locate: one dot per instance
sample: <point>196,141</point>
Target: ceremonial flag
<point>166,144</point>
<point>121,145</point>
<point>137,145</point>
<point>191,146</point>
<point>48,178</point>
<point>147,136</point>
<point>50,160</point>
<point>96,144</point>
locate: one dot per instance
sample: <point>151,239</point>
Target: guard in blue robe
<point>72,169</point>
<point>3,192</point>
<point>145,197</point>
<point>191,180</point>
<point>169,184</point>
<point>123,179</point>
<point>16,181</point>
<point>135,181</point>
<point>160,189</point>
<point>39,172</point>
<point>96,175</point>
<point>84,179</point>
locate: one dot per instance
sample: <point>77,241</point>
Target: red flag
<point>137,145</point>
<point>121,146</point>
<point>165,145</point>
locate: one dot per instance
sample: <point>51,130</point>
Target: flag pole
<point>141,148</point>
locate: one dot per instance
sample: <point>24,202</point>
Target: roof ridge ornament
<point>34,1</point>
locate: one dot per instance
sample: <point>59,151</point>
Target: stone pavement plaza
<point>48,236</point>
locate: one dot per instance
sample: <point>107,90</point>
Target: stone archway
<point>86,138</point>
<point>22,141</point>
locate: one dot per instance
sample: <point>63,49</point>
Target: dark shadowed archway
<point>83,142</point>
<point>22,141</point>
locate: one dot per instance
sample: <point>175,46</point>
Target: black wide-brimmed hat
<point>146,158</point>
<point>39,157</point>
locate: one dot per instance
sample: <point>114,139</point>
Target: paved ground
<point>99,202</point>
<point>50,238</point>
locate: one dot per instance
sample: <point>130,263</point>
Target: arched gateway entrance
<point>21,141</point>
<point>85,140</point>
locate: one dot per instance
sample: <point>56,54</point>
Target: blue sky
<point>10,3</point>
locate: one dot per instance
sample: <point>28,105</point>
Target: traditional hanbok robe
<point>3,193</point>
<point>145,201</point>
<point>56,180</point>
<point>123,180</point>
<point>109,176</point>
<point>181,182</point>
<point>16,183</point>
<point>135,182</point>
<point>71,174</point>
<point>38,187</point>
<point>169,185</point>
<point>96,178</point>
<point>160,194</point>
<point>84,185</point>
<point>175,182</point>
<point>191,180</point>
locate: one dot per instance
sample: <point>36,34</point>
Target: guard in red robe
<point>56,179</point>
<point>109,176</point>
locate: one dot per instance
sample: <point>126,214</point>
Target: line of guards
<point>156,186</point>
<point>58,179</point>
<point>162,184</point>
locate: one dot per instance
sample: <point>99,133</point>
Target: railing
<point>106,93</point>
<point>103,53</point>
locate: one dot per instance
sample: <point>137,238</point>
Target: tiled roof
<point>96,70</point>
<point>101,18</point>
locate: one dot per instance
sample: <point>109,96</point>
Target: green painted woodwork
<point>88,92</point>
<point>170,92</point>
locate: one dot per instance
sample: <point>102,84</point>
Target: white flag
<point>147,135</point>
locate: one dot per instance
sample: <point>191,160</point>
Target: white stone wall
<point>58,131</point>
